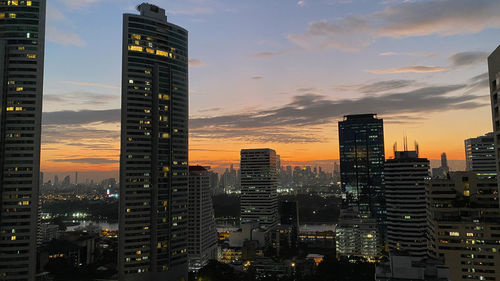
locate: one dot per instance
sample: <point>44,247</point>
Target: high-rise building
<point>154,148</point>
<point>202,235</point>
<point>362,156</point>
<point>464,225</point>
<point>480,155</point>
<point>405,177</point>
<point>356,236</point>
<point>22,44</point>
<point>259,197</point>
<point>494,79</point>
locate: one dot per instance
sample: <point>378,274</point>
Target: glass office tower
<point>22,42</point>
<point>154,148</point>
<point>361,139</point>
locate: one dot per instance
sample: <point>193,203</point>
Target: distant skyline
<point>277,74</point>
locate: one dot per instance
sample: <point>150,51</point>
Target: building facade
<point>22,44</point>
<point>259,180</point>
<point>358,237</point>
<point>362,156</point>
<point>202,235</point>
<point>480,155</point>
<point>464,225</point>
<point>494,79</point>
<point>154,148</point>
<point>405,177</point>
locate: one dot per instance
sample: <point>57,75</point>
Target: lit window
<point>165,136</point>
<point>31,56</point>
<point>135,48</point>
<point>466,193</point>
<point>2,15</point>
<point>28,3</point>
<point>12,16</point>
<point>14,2</point>
<point>470,234</point>
<point>21,48</point>
<point>19,89</point>
<point>28,35</point>
<point>147,111</point>
<point>149,50</point>
<point>19,108</point>
<point>10,108</point>
<point>11,82</point>
<point>136,36</point>
<point>162,53</point>
<point>131,81</point>
<point>454,234</point>
<point>13,238</point>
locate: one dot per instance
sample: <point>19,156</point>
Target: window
<point>135,48</point>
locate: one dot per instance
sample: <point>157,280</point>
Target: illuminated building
<point>357,237</point>
<point>361,140</point>
<point>480,155</point>
<point>259,199</point>
<point>202,235</point>
<point>22,44</point>
<point>405,177</point>
<point>154,148</point>
<point>464,225</point>
<point>402,267</point>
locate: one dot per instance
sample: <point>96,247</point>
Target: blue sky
<point>265,57</point>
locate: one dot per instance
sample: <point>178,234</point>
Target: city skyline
<point>427,81</point>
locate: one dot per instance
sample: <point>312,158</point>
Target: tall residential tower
<point>154,148</point>
<point>405,177</point>
<point>480,155</point>
<point>22,43</point>
<point>259,197</point>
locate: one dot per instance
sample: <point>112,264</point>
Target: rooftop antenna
<point>405,141</point>
<point>395,148</point>
<point>417,148</point>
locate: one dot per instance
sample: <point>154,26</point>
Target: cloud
<point>92,84</point>
<point>301,3</point>
<point>468,58</point>
<point>376,87</point>
<point>196,63</point>
<point>267,54</point>
<point>408,69</point>
<point>81,117</point>
<point>91,161</point>
<point>64,38</point>
<point>407,19</point>
<point>411,54</point>
<point>295,121</point>
<point>257,78</point>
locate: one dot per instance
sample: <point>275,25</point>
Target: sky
<point>277,74</point>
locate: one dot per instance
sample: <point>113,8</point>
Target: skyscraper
<point>22,44</point>
<point>480,155</point>
<point>154,148</point>
<point>494,79</point>
<point>405,177</point>
<point>362,156</point>
<point>259,198</point>
<point>202,235</point>
<point>443,171</point>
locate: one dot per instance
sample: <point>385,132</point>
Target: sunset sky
<point>277,74</point>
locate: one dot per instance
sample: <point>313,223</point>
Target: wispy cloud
<point>468,58</point>
<point>79,4</point>
<point>408,69</point>
<point>196,63</point>
<point>81,117</point>
<point>257,78</point>
<point>376,87</point>
<point>301,3</point>
<point>267,54</point>
<point>58,36</point>
<point>411,54</point>
<point>92,84</point>
<point>407,19</point>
